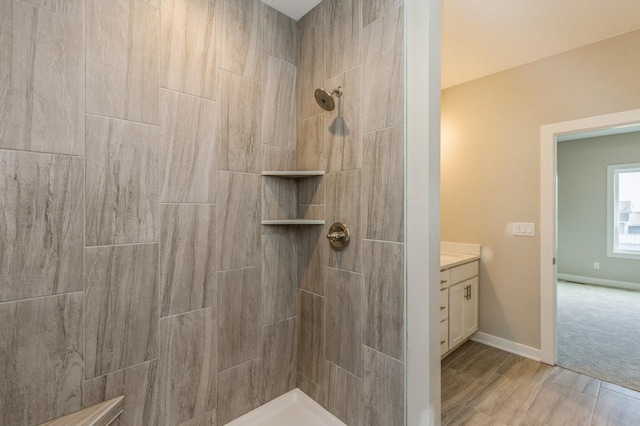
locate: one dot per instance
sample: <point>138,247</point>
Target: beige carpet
<point>599,332</point>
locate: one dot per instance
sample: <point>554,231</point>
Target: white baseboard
<point>507,346</point>
<point>599,281</point>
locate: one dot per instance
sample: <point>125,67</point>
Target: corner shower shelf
<point>293,222</point>
<point>293,175</point>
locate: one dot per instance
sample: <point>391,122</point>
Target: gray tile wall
<point>132,138</point>
<point>351,303</point>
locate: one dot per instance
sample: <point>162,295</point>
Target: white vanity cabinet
<point>458,304</point>
<point>463,311</point>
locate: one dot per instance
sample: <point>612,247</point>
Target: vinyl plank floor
<point>486,386</point>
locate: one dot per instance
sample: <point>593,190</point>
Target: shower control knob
<point>338,236</point>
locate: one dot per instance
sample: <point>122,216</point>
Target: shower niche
<point>287,198</point>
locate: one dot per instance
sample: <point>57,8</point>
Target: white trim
<point>548,144</point>
<point>507,346</point>
<point>422,212</point>
<point>613,232</point>
<point>625,285</point>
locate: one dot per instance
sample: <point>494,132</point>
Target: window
<point>623,215</point>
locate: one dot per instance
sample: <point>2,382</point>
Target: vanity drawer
<point>444,336</point>
<point>444,304</point>
<point>445,278</point>
<point>463,272</point>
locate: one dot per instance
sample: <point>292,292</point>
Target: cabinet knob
<point>442,308</point>
<point>442,342</point>
<point>443,281</point>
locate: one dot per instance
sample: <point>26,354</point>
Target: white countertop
<point>449,260</point>
<point>454,254</point>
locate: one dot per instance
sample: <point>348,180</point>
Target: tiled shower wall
<point>132,260</point>
<point>351,303</point>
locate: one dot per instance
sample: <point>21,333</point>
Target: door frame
<point>548,216</point>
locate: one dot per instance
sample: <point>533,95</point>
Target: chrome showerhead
<point>325,99</point>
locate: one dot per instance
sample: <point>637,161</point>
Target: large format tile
<point>504,400</point>
<point>383,72</point>
<point>238,391</point>
<point>121,321</point>
<point>188,137</point>
<point>137,384</point>
<point>279,34</point>
<point>557,404</point>
<point>40,359</point>
<point>188,46</point>
<point>342,45</point>
<point>382,389</point>
<point>312,247</point>
<point>310,147</point>
<point>343,320</point>
<point>240,38</point>
<point>279,103</point>
<point>187,257</point>
<point>375,9</point>
<point>278,158</point>
<point>122,182</point>
<point>343,397</point>
<point>458,388</point>
<point>278,359</point>
<point>239,325</point>
<point>343,140</point>
<point>311,317</point>
<point>279,277</point>
<point>239,133</point>
<point>310,388</point>
<point>383,313</point>
<point>41,79</point>
<point>238,220</point>
<point>188,376</point>
<point>123,56</point>
<point>383,185</point>
<point>343,191</point>
<point>615,409</point>
<point>278,198</point>
<point>71,8</point>
<point>311,60</point>
<point>41,243</point>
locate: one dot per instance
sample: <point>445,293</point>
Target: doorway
<point>548,216</point>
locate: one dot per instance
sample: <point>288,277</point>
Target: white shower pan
<point>294,408</point>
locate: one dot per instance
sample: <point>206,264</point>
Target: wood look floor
<point>486,386</point>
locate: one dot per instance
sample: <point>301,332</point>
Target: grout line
<point>383,128</point>
<point>311,292</point>
<point>171,203</point>
<point>186,312</point>
<point>125,120</point>
<point>9,150</point>
<point>149,361</point>
<point>71,18</point>
<point>238,269</point>
<point>595,403</point>
<point>383,354</point>
<point>201,98</point>
<point>124,245</point>
<point>28,299</point>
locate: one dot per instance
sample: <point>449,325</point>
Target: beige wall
<point>490,165</point>
<point>582,206</point>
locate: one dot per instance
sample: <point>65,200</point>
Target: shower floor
<point>291,409</point>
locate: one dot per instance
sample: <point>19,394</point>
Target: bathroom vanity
<point>459,269</point>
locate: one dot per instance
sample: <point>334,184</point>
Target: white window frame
<point>613,204</point>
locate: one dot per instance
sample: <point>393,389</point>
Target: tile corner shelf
<point>295,174</point>
<point>293,222</point>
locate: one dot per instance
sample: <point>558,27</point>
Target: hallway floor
<point>486,386</point>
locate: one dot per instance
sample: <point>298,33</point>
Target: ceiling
<point>482,37</point>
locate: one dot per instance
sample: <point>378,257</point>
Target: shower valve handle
<point>337,236</point>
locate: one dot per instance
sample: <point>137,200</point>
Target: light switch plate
<point>524,229</point>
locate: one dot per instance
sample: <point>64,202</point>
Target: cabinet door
<point>471,308</point>
<point>456,314</point>
<point>444,338</point>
